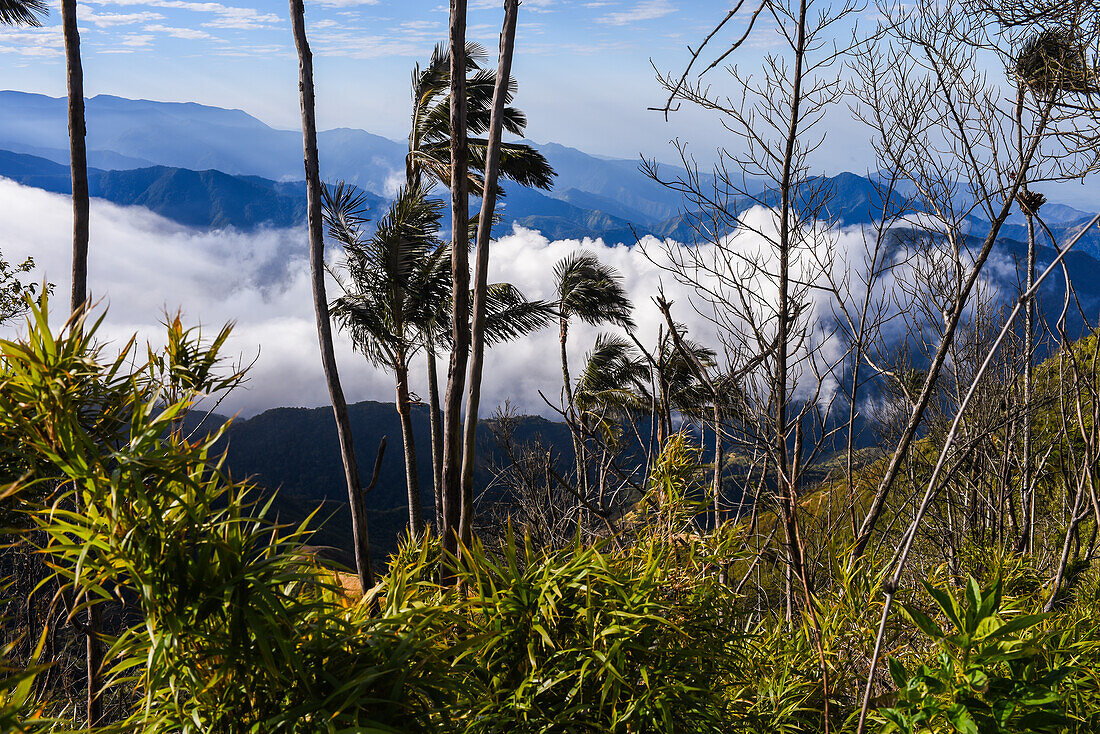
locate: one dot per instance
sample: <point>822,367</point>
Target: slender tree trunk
<point>785,475</point>
<point>78,171</point>
<point>1027,490</point>
<point>481,271</point>
<point>567,382</point>
<point>716,490</point>
<point>78,157</point>
<point>412,475</point>
<point>788,466</point>
<point>460,285</point>
<point>435,420</point>
<point>320,301</point>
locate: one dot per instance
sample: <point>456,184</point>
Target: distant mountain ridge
<point>207,199</point>
<point>124,133</point>
<point>210,167</point>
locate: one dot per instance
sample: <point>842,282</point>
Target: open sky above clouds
<point>584,66</point>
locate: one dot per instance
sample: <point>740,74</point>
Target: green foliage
<point>989,674</point>
<point>14,291</point>
<point>588,641</point>
<point>20,710</point>
<point>230,626</point>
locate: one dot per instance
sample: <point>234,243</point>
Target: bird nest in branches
<point>1052,62</point>
<point>1030,201</point>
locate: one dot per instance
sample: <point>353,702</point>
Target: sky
<point>585,67</point>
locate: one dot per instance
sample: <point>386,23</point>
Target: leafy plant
<point>989,674</point>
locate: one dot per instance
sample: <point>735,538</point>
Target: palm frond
<point>509,315</point>
<point>392,275</point>
<point>23,12</point>
<point>591,291</point>
<point>519,162</point>
<point>614,377</point>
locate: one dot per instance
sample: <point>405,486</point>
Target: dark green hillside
<point>295,451</point>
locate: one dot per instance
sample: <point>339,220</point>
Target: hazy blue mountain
<point>594,196</point>
<point>618,180</point>
<point>557,219</point>
<point>588,200</point>
<point>124,133</point>
<point>203,199</point>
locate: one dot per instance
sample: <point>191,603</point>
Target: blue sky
<point>583,65</point>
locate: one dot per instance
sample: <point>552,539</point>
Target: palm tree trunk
<point>481,273</point>
<point>567,381</point>
<point>460,285</point>
<point>320,301</point>
<point>78,157</point>
<point>78,171</point>
<point>412,476</point>
<point>436,421</point>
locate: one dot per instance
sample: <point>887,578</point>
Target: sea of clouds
<point>142,266</point>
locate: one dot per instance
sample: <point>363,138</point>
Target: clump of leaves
<point>588,641</point>
<point>989,674</point>
<point>14,290</point>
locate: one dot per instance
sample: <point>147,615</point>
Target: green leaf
<point>961,719</point>
<point>923,621</point>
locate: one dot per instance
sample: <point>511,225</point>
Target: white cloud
<point>226,16</point>
<point>141,265</point>
<point>136,40</point>
<point>645,10</point>
<point>191,34</point>
<point>88,14</point>
<point>32,42</point>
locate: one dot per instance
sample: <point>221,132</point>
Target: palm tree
<point>430,136</point>
<point>320,302</point>
<point>588,290</point>
<point>395,277</point>
<point>397,298</point>
<point>429,151</point>
<point>22,12</point>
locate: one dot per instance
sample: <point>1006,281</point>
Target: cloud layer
<point>142,265</point>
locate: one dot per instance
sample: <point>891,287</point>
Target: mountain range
<point>152,137</point>
<point>210,167</point>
